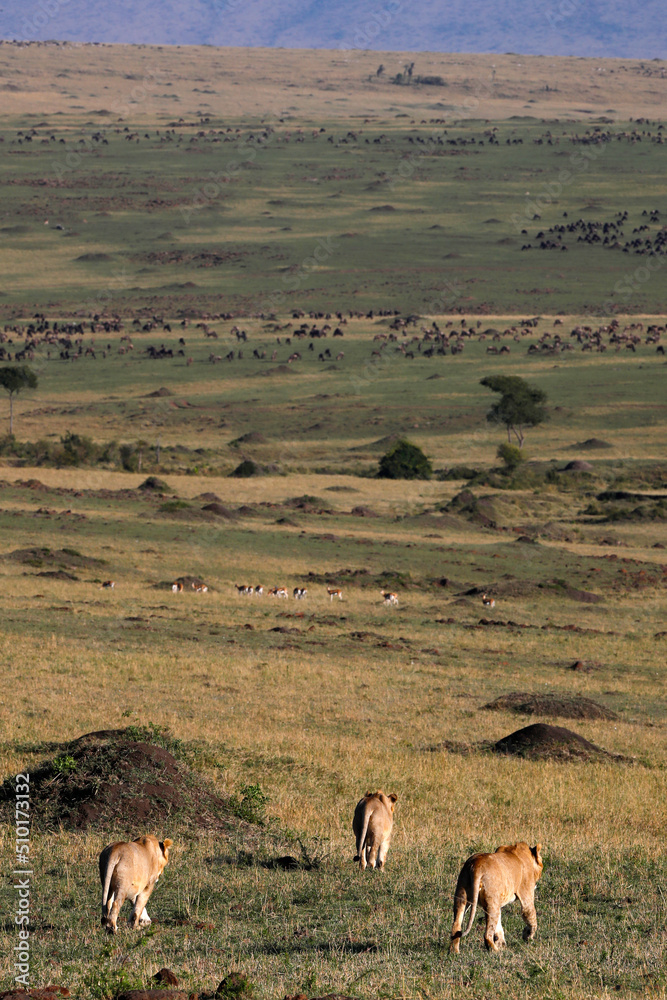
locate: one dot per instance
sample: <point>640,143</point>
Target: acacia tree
<point>520,405</point>
<point>14,379</point>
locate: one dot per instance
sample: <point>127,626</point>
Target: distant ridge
<point>541,27</point>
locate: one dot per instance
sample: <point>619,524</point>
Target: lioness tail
<point>473,902</point>
<point>361,839</point>
<point>107,882</point>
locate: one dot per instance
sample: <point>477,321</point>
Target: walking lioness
<point>495,880</point>
<point>372,825</point>
<point>130,871</point>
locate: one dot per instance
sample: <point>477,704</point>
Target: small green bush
<point>511,456</point>
<point>405,461</point>
<point>128,457</point>
<point>64,764</point>
<point>251,805</point>
<point>246,469</point>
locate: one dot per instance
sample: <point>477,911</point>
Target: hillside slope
<point>568,27</point>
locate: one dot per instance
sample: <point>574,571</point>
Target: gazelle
<point>177,587</point>
<point>389,598</point>
<point>488,602</point>
<point>299,593</point>
<point>108,585</point>
<point>200,588</point>
<point>335,592</point>
<point>278,592</point>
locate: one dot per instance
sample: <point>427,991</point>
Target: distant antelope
<point>389,598</point>
<point>108,585</point>
<point>243,589</point>
<point>177,587</point>
<point>488,602</point>
<point>299,593</point>
<point>278,592</point>
<point>259,591</point>
<point>335,592</point>
<point>200,588</point>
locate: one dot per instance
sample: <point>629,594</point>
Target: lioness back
<point>494,880</point>
<point>130,871</point>
<point>372,824</point>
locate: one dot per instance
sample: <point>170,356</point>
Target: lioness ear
<point>165,845</point>
<point>393,798</point>
<point>535,851</point>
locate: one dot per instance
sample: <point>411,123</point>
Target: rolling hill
<point>557,27</point>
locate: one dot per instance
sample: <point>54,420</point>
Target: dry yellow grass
<point>141,83</point>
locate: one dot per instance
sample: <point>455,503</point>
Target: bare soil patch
<point>220,510</point>
<point>541,741</point>
<point>550,704</point>
<point>53,557</point>
<point>118,778</point>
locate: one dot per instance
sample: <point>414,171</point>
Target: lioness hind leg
<point>144,919</point>
<point>492,922</point>
<point>106,909</point>
<point>382,853</point>
<point>140,907</point>
<point>373,855</point>
<point>530,917</point>
<point>499,935</point>
<point>112,919</point>
<point>460,903</point>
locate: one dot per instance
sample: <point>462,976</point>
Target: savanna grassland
<point>200,206</point>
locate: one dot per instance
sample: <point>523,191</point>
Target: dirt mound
<point>56,557</point>
<point>543,742</point>
<point>209,498</point>
<point>362,511</point>
<point>381,444</point>
<point>47,993</point>
<point>162,391</point>
<point>278,370</point>
<point>252,437</point>
<point>32,484</point>
<point>123,779</point>
<point>477,510</point>
<point>93,258</point>
<point>246,511</point>
<point>57,574</point>
<point>591,444</point>
<point>578,465</point>
<point>550,704</point>
<point>583,596</point>
<point>308,504</point>
<point>154,485</point>
<point>220,510</point>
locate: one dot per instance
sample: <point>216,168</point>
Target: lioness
<point>372,825</point>
<point>497,879</point>
<point>130,871</point>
